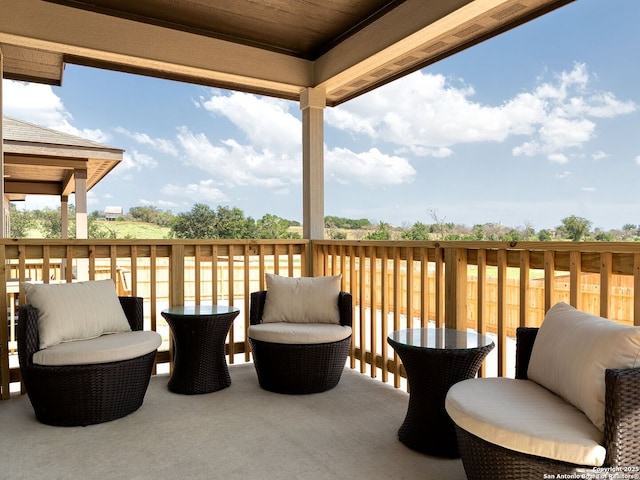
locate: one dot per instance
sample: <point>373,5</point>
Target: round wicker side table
<point>435,359</point>
<point>199,333</point>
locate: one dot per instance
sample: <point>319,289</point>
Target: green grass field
<point>135,229</point>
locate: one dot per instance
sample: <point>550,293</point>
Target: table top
<point>440,338</point>
<point>198,310</point>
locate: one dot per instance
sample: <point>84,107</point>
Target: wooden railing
<point>491,287</point>
<point>163,272</point>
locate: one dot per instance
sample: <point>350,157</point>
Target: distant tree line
<point>572,228</point>
<point>228,222</point>
<point>202,221</point>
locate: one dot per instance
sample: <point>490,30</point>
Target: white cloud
<point>370,168</point>
<point>160,144</point>
<point>423,113</point>
<point>599,155</point>
<point>564,174</point>
<point>428,115</point>
<point>588,189</point>
<point>134,161</point>
<point>204,191</point>
<point>38,104</point>
<point>271,156</point>
<point>235,164</point>
<point>558,158</point>
<point>637,160</point>
<point>266,122</point>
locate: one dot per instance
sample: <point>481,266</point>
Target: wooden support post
<point>81,203</point>
<point>312,104</point>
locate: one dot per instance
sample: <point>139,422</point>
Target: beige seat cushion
<point>522,416</point>
<point>103,349</point>
<point>572,351</point>
<point>299,333</point>
<point>76,311</point>
<point>302,300</point>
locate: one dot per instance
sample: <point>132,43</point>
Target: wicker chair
<point>483,460</point>
<point>74,395</point>
<point>299,368</point>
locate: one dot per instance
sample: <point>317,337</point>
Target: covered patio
<point>319,54</point>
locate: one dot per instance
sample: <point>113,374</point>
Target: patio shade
<point>279,48</point>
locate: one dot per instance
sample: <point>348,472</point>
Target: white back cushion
<point>572,351</point>
<point>76,311</point>
<point>302,300</point>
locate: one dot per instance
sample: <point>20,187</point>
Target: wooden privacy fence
<point>492,287</point>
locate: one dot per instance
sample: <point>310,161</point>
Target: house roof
<point>278,48</point>
<point>43,161</point>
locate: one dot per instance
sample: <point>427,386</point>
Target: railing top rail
<point>566,246</point>
<point>151,241</point>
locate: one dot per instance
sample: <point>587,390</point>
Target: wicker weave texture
<point>622,417</point>
<point>427,427</point>
<point>485,461</point>
<point>299,369</point>
<point>200,365</point>
<point>83,394</point>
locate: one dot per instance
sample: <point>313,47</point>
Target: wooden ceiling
<point>271,47</point>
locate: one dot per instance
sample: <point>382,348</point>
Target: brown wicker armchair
<point>486,461</point>
<point>86,394</point>
<point>299,368</point>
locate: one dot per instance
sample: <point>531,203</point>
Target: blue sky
<point>526,128</point>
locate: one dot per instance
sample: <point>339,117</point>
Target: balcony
<point>490,287</point>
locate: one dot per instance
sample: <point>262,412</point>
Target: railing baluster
<point>636,289</point>
<point>231,269</point>
<point>362,324</point>
<point>481,303</point>
<point>606,267</point>
<point>397,292</point>
<point>384,290</point>
<point>373,309</point>
<point>439,254</point>
<point>247,297</point>
<point>549,279</point>
<point>575,278</point>
<point>424,287</point>
<point>4,337</point>
<point>502,313</point>
<point>196,271</point>
<point>409,297</point>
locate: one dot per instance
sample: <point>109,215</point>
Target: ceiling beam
<point>37,161</point>
<point>144,48</point>
<point>69,183</point>
<point>32,188</point>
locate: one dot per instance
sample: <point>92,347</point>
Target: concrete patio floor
<point>241,432</point>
